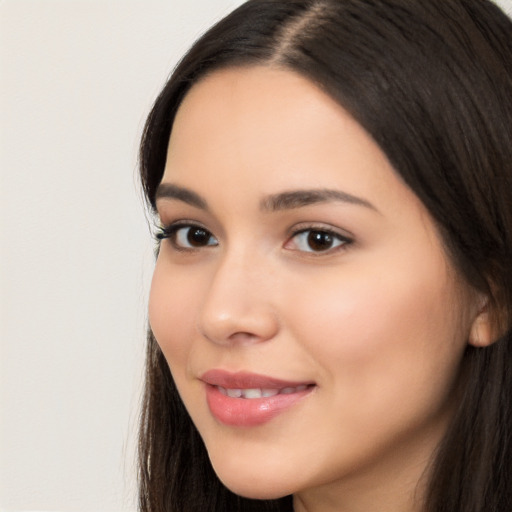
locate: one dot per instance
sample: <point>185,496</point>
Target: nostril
<point>241,337</point>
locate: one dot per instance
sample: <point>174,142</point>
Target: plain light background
<point>77,79</point>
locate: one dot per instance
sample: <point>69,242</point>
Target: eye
<point>189,236</point>
<point>317,241</point>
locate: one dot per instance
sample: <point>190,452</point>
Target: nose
<point>238,306</point>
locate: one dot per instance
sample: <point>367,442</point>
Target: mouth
<point>252,393</point>
<point>248,400</point>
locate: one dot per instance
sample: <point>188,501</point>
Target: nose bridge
<point>237,305</point>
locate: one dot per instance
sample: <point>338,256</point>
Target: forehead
<point>270,106</point>
<point>269,124</point>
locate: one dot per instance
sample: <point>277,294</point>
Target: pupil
<point>198,237</point>
<point>320,240</point>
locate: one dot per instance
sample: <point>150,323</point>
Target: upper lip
<point>247,380</point>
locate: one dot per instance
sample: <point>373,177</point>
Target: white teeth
<point>251,393</point>
<point>234,393</point>
<point>260,393</point>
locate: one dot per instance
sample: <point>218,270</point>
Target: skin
<point>379,323</point>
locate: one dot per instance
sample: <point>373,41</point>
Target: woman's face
<point>302,297</point>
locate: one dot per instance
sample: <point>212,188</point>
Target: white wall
<point>76,82</point>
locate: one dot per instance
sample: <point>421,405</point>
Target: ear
<point>481,333</point>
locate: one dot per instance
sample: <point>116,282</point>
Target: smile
<point>260,392</point>
<point>249,400</point>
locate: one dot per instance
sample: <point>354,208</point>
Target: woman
<point>331,306</point>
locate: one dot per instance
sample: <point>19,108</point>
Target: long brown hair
<point>431,82</point>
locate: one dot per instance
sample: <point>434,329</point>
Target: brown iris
<point>198,237</point>
<point>320,240</point>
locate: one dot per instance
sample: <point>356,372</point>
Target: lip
<point>245,412</point>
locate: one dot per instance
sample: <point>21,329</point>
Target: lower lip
<point>249,412</point>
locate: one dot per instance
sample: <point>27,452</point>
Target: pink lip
<point>249,412</point>
<point>245,380</point>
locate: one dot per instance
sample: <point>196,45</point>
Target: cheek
<point>382,338</point>
<point>171,303</point>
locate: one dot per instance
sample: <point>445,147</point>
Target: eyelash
<point>344,241</point>
<point>170,232</point>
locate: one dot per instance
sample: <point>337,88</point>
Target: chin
<point>250,483</point>
<point>248,489</point>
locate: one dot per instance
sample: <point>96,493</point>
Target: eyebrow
<point>170,191</point>
<point>276,202</point>
<point>301,198</point>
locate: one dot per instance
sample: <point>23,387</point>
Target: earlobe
<point>481,333</point>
